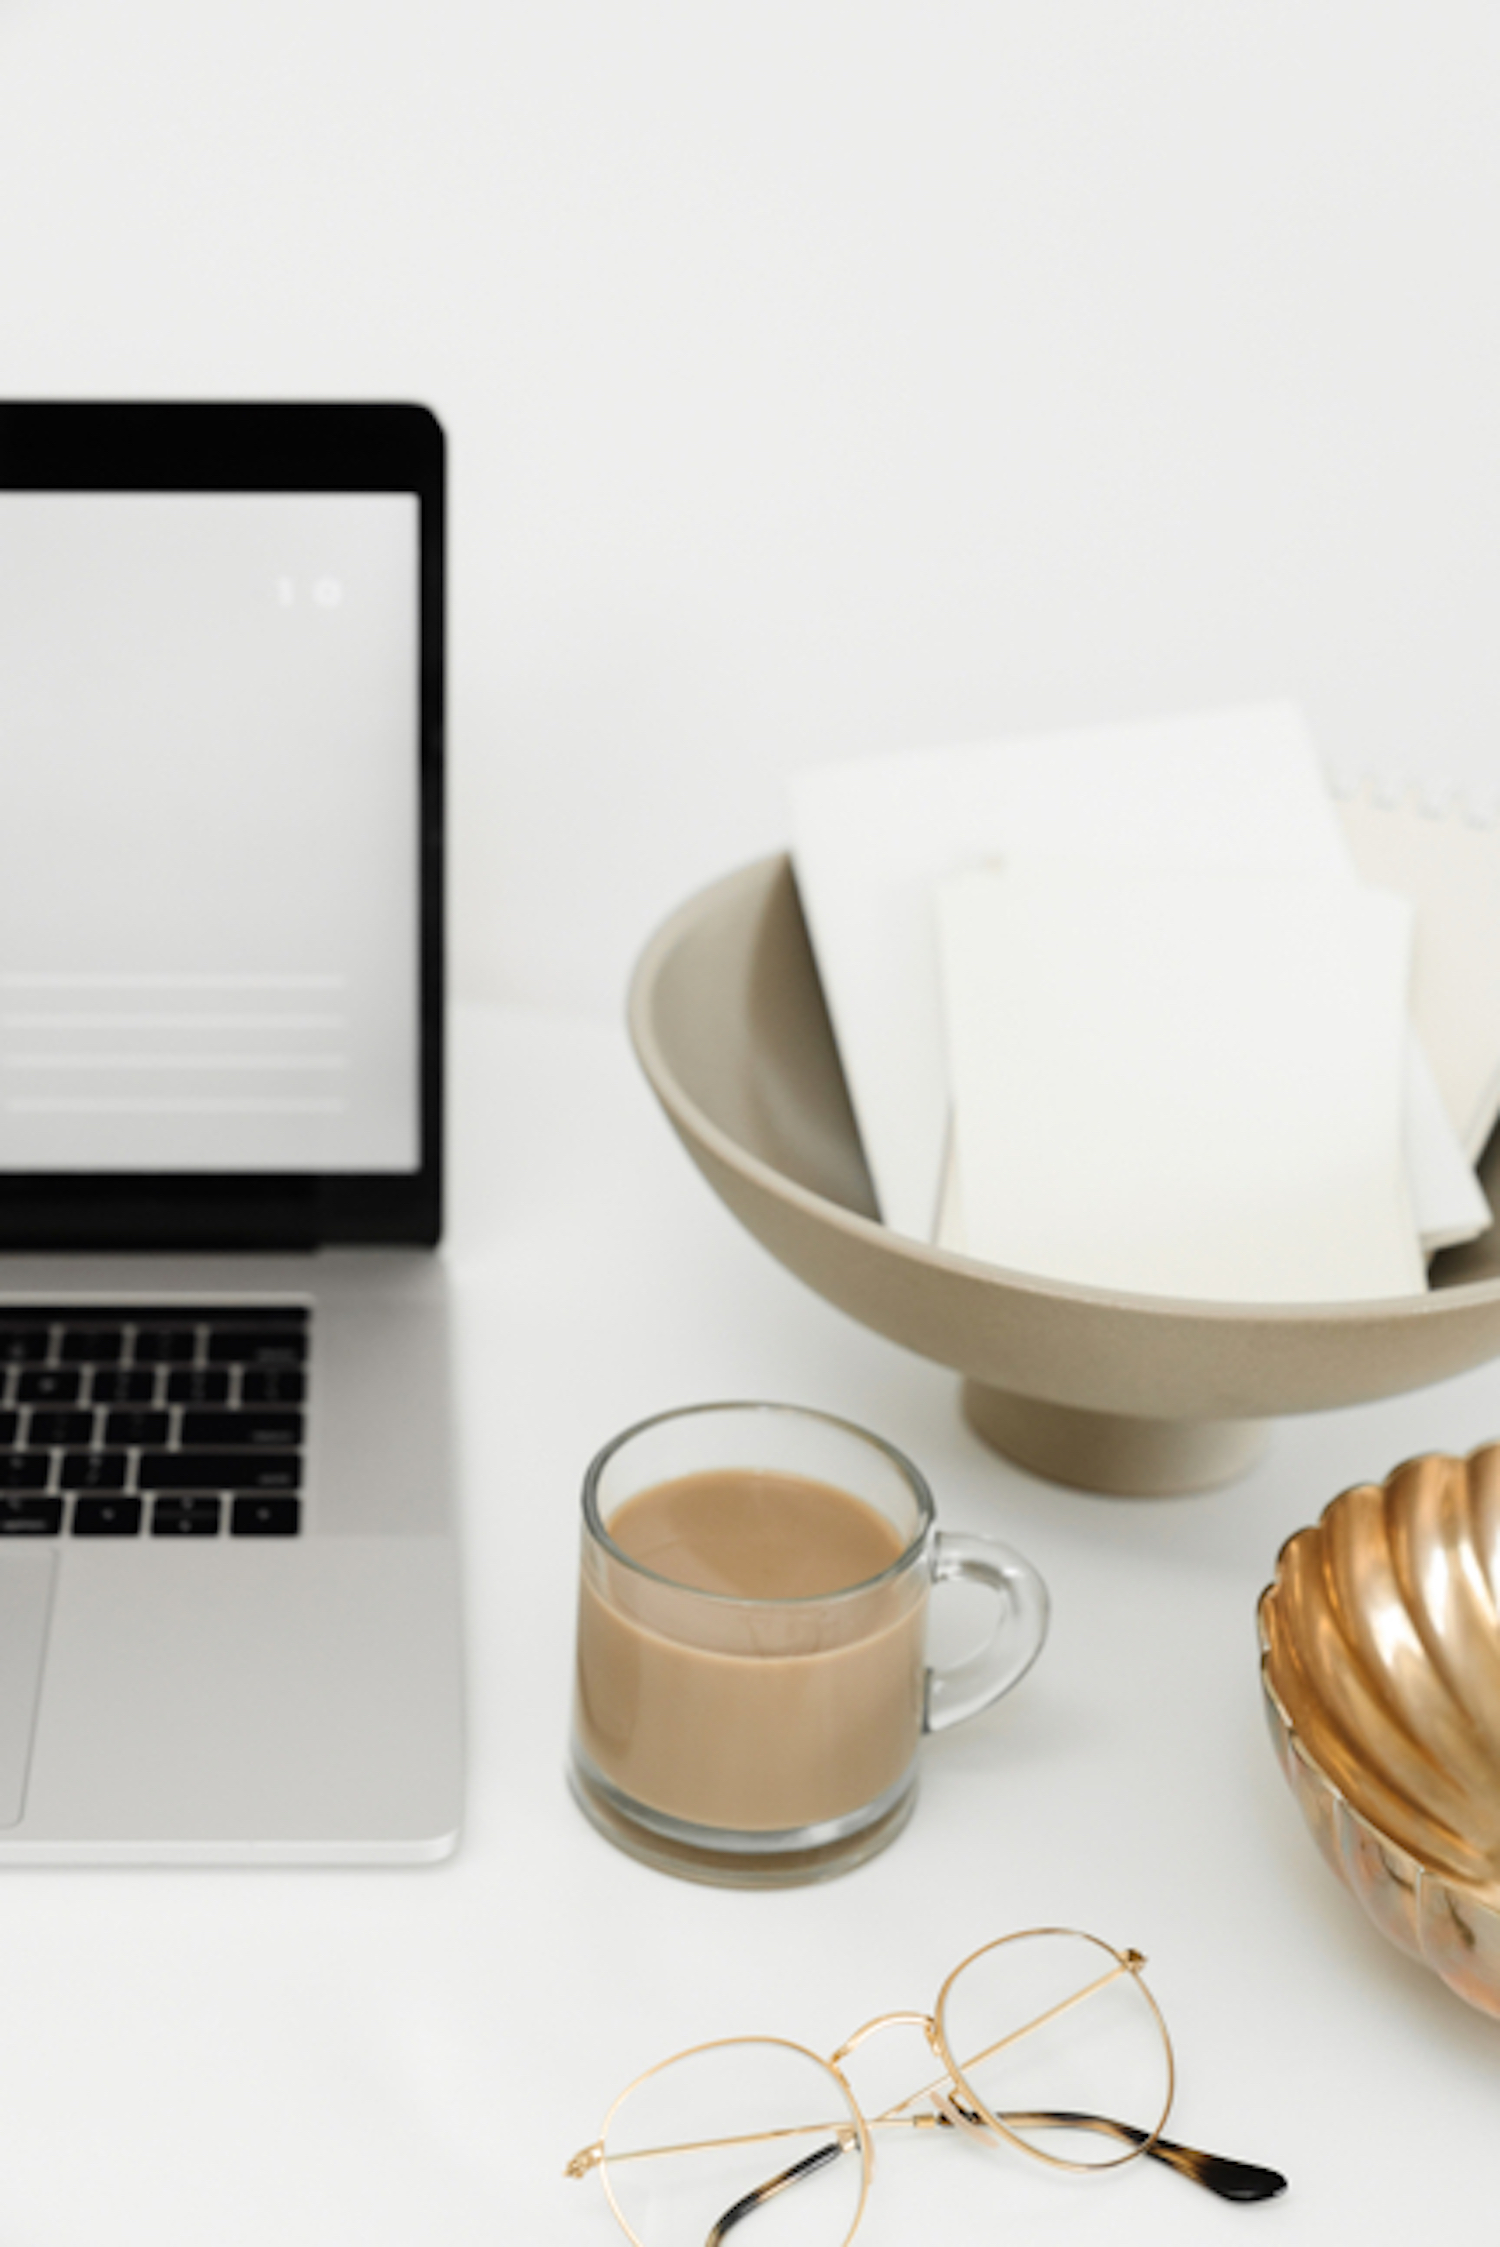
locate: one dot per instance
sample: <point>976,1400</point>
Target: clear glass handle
<point>1021,1610</point>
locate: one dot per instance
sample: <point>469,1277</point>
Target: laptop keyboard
<point>152,1421</point>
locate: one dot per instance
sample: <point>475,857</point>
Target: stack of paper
<point>1114,1007</point>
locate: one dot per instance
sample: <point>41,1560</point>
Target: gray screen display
<point>209,832</point>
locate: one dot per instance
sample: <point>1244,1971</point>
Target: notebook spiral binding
<point>1430,799</point>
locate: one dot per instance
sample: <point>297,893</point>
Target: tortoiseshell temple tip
<point>1231,2180</point>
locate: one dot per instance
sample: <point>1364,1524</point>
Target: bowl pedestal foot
<point>1114,1453</point>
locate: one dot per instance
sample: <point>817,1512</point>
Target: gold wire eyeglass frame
<point>949,2101</point>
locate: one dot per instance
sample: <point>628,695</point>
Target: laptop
<point>229,1583</point>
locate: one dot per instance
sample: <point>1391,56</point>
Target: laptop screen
<point>220,699</point>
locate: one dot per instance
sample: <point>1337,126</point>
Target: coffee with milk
<point>751,1687</point>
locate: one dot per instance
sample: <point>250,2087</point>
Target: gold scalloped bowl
<point>1380,1658</point>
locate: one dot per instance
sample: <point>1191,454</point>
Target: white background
<point>822,375</point>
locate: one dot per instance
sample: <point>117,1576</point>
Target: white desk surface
<point>379,2057</point>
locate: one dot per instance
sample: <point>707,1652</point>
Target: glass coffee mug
<point>752,1683</point>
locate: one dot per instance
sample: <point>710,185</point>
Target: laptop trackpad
<point>25,1603</point>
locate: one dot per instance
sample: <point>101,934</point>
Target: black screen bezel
<point>203,446</point>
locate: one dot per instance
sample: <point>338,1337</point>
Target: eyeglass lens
<point>1060,2045</point>
<point>749,2127</point>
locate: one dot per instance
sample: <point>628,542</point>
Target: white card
<point>1184,1084</point>
<point>1237,789</point>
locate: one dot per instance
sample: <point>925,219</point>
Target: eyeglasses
<point>1048,2040</point>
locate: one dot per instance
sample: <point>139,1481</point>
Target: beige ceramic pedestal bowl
<point>1109,1392</point>
<point>1380,1659</point>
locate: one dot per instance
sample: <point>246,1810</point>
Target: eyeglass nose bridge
<point>923,2021</point>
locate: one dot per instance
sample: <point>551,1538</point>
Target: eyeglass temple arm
<point>768,2191</point>
<point>1230,2180</point>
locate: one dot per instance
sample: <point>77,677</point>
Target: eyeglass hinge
<point>581,2163</point>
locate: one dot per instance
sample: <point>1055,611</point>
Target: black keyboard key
<point>93,1470</point>
<point>185,1517</point>
<point>265,1517</point>
<point>164,1345</point>
<point>91,1345</point>
<point>218,1470</point>
<point>257,1345</point>
<point>198,1384</point>
<point>24,1470</point>
<point>217,1428</point>
<point>278,1385</point>
<point>9,1424</point>
<point>136,1427</point>
<point>29,1517</point>
<point>38,1385</point>
<point>109,1384</point>
<point>23,1345</point>
<point>59,1427</point>
<point>106,1517</point>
